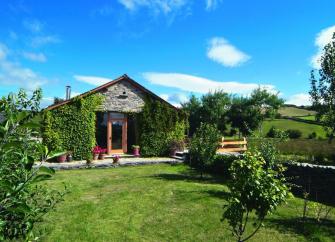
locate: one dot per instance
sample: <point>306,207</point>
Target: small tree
<point>253,189</point>
<point>23,200</point>
<point>203,146</point>
<point>323,90</point>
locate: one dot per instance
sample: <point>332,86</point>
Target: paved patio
<point>108,163</point>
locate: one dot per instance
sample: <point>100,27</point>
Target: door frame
<point>110,120</point>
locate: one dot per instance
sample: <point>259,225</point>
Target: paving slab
<point>108,163</point>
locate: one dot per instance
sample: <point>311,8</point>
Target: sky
<point>172,47</point>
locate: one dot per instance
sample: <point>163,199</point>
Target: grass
<point>158,203</point>
<point>310,117</point>
<point>295,112</point>
<point>285,124</point>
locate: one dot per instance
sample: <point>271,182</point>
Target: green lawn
<point>158,203</point>
<point>295,112</point>
<point>285,124</point>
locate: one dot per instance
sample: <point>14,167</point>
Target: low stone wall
<point>318,181</point>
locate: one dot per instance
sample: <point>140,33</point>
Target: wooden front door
<point>116,133</point>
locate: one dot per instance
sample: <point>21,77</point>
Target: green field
<point>159,203</point>
<point>284,124</point>
<point>295,112</point>
<point>310,117</point>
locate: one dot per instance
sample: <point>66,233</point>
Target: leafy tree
<point>203,146</point>
<point>247,113</point>
<point>244,116</point>
<point>58,100</point>
<point>192,108</point>
<point>266,102</point>
<point>212,108</point>
<point>253,188</point>
<point>215,108</point>
<point>23,199</point>
<point>323,90</point>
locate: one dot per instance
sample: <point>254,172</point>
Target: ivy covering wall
<point>159,125</point>
<point>71,127</point>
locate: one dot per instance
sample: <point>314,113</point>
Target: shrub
<point>23,201</point>
<point>272,132</point>
<point>294,133</point>
<point>203,146</point>
<point>254,188</point>
<point>312,135</point>
<point>71,127</point>
<point>222,163</point>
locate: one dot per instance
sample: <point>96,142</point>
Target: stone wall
<point>123,97</point>
<point>318,181</point>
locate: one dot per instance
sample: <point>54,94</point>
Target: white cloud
<point>38,57</point>
<point>43,40</point>
<point>46,101</point>
<point>12,73</point>
<point>221,51</point>
<point>322,39</point>
<point>74,93</point>
<point>162,6</point>
<point>33,25</point>
<point>299,99</point>
<point>165,6</point>
<point>164,96</point>
<point>212,4</point>
<point>197,84</point>
<point>175,97</point>
<point>92,80</point>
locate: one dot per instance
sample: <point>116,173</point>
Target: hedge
<point>71,127</point>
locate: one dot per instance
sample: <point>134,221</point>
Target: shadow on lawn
<point>190,177</point>
<point>311,229</point>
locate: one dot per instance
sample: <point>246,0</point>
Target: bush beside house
<point>159,125</point>
<point>71,127</point>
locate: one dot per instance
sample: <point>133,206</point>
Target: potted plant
<point>136,150</point>
<point>176,145</point>
<point>96,152</point>
<point>102,154</point>
<point>62,158</point>
<point>69,156</point>
<point>116,158</point>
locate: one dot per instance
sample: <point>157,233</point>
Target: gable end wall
<point>116,101</point>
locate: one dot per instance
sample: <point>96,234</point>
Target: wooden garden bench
<point>233,145</point>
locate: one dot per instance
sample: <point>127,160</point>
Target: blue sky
<point>172,47</point>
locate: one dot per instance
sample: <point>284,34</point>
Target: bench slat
<point>233,143</point>
<point>231,149</point>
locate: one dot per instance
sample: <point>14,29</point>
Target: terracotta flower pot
<point>95,156</point>
<point>61,158</point>
<point>102,156</point>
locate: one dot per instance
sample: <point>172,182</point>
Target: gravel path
<point>109,163</point>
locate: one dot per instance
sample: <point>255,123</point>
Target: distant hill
<point>299,118</point>
<point>285,124</point>
<point>291,111</point>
